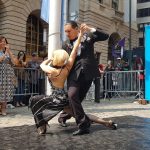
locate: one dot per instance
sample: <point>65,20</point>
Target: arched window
<point>34,35</point>
<point>113,40</point>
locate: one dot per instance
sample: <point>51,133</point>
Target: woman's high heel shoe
<point>42,129</point>
<point>112,125</point>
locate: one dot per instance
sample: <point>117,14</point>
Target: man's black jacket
<point>86,61</point>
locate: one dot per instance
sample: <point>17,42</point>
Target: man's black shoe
<point>81,132</point>
<point>63,124</point>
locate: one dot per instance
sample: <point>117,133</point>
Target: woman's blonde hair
<point>60,58</point>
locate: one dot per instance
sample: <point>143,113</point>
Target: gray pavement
<point>18,132</point>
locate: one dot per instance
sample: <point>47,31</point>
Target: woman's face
<point>2,44</point>
<point>21,57</point>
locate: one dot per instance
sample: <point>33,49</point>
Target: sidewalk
<point>17,129</point>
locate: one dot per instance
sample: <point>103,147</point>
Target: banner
<point>45,10</point>
<point>118,52</point>
<point>147,62</point>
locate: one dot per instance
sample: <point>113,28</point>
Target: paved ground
<point>17,130</point>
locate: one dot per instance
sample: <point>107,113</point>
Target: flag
<point>113,52</point>
<point>45,10</point>
<point>120,44</point>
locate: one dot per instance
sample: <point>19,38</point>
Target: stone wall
<point>14,14</point>
<point>13,17</point>
<point>103,16</point>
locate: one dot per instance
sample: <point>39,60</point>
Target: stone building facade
<point>102,14</point>
<point>20,22</point>
<point>16,23</point>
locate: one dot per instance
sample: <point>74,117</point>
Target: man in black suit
<point>85,69</point>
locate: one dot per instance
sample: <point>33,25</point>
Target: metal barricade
<point>29,81</point>
<point>123,82</point>
<point>115,83</point>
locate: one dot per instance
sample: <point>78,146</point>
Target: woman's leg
<point>0,108</point>
<point>94,119</point>
<point>98,120</point>
<point>36,104</point>
<point>43,109</point>
<point>3,108</point>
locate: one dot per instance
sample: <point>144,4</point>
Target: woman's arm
<point>2,58</point>
<point>14,60</point>
<point>75,48</point>
<point>45,67</point>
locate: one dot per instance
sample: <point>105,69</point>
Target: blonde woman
<point>45,107</point>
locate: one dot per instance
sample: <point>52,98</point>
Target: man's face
<point>70,32</point>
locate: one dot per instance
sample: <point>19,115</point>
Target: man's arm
<point>100,35</point>
<point>96,34</point>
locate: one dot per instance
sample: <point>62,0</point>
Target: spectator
<point>101,70</point>
<point>118,66</point>
<point>140,67</point>
<point>22,77</point>
<point>98,84</point>
<point>108,84</point>
<point>125,66</point>
<point>34,75</point>
<point>7,75</point>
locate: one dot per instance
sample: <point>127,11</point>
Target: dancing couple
<point>69,65</point>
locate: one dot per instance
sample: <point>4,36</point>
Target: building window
<point>142,1</point>
<point>141,42</point>
<point>100,1</point>
<point>115,4</point>
<point>143,12</point>
<point>34,35</point>
<point>97,57</point>
<point>141,26</point>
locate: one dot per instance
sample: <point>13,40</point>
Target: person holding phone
<point>22,76</point>
<point>7,75</point>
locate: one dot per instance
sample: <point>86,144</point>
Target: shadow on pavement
<point>133,133</point>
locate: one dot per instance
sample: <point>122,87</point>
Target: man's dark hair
<point>72,23</point>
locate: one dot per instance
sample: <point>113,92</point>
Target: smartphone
<point>4,50</point>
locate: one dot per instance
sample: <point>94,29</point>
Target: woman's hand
<point>2,58</point>
<point>85,27</point>
<point>7,48</point>
<point>14,60</point>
